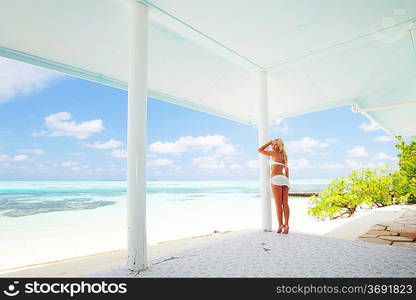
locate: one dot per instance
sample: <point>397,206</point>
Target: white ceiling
<point>206,54</point>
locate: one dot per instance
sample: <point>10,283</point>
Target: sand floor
<point>268,254</point>
<point>102,262</point>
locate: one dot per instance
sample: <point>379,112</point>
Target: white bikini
<point>279,179</point>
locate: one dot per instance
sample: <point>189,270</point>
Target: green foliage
<point>404,188</point>
<point>369,187</point>
<point>343,196</point>
<point>380,189</point>
<point>407,165</point>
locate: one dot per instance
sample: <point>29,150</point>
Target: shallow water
<point>47,220</point>
<point>24,198</point>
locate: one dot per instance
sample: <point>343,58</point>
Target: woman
<point>279,181</point>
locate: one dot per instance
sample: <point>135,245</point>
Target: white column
<point>263,132</point>
<point>136,131</point>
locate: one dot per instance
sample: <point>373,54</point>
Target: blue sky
<point>57,127</point>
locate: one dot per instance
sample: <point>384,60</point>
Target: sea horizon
<point>303,179</point>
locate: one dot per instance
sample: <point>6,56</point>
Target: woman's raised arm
<point>263,151</point>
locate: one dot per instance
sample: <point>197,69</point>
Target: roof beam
<point>219,47</point>
<point>413,35</point>
<point>342,46</point>
<point>355,108</point>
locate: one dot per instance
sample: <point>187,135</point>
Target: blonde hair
<point>281,146</point>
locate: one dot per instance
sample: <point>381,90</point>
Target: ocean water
<point>50,220</point>
<point>25,198</point>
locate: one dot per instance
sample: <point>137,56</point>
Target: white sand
<point>78,267</point>
<point>267,254</point>
<point>345,228</point>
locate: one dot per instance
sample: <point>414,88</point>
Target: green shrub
<point>343,196</point>
<point>369,187</point>
<point>380,189</point>
<point>404,188</point>
<point>388,188</point>
<point>407,166</point>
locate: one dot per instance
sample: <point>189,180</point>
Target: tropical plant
<point>343,196</point>
<point>388,187</point>
<point>404,188</point>
<point>380,187</point>
<point>407,165</point>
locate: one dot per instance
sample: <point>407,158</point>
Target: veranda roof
<point>206,54</point>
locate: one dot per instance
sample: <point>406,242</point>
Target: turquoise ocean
<point>51,220</point>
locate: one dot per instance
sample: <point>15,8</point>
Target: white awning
<point>206,54</point>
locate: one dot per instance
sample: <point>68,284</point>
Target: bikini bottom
<point>279,180</point>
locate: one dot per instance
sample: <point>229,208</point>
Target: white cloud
<point>217,151</point>
<point>34,151</point>
<point>350,164</point>
<point>167,148</point>
<point>331,165</point>
<point>151,155</point>
<point>69,164</point>
<point>384,138</point>
<point>253,164</point>
<point>369,126</point>
<point>358,151</point>
<point>227,150</point>
<point>300,164</point>
<point>384,156</point>
<point>110,144</point>
<point>119,153</point>
<point>20,157</point>
<point>209,162</point>
<point>331,140</point>
<point>15,158</point>
<point>60,124</point>
<point>40,133</point>
<point>235,167</point>
<point>279,125</point>
<point>160,162</point>
<point>205,144</point>
<point>73,165</point>
<point>114,168</point>
<point>307,145</point>
<point>19,78</point>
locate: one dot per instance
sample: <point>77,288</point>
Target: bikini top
<point>272,162</point>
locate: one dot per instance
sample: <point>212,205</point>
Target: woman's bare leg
<point>285,203</point>
<point>277,194</point>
